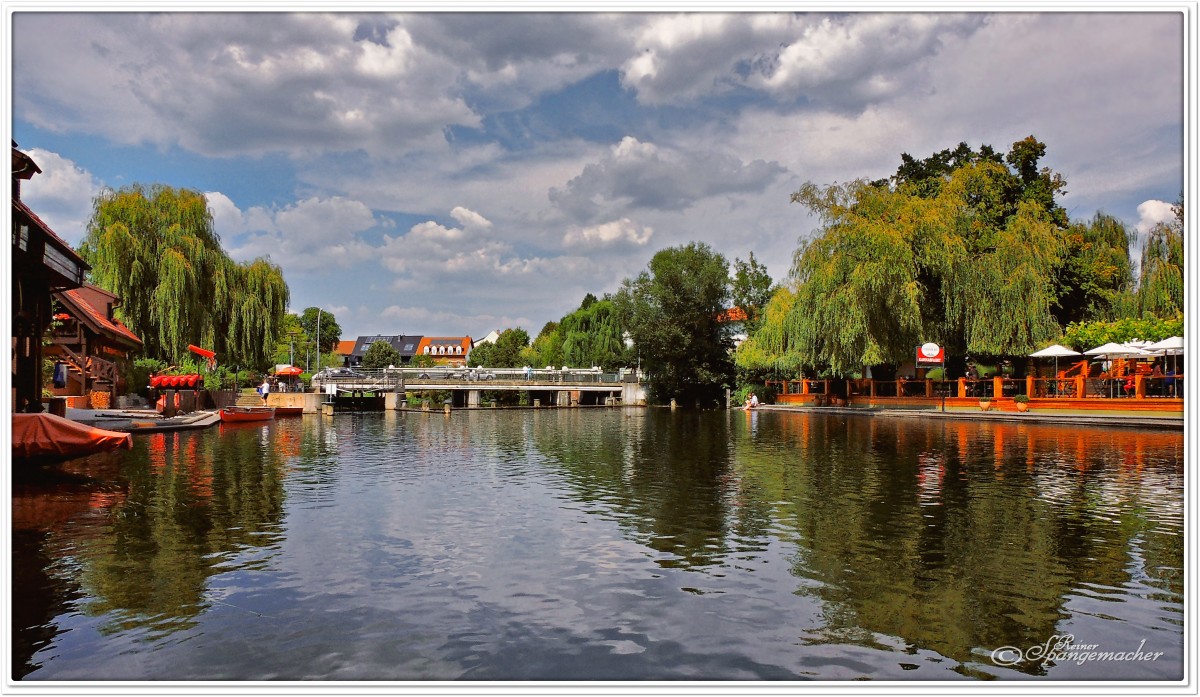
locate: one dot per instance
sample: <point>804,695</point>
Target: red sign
<point>930,353</point>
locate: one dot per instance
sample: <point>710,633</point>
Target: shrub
<point>1021,398</point>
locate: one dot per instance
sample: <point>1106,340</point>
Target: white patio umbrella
<point>1054,351</point>
<point>1171,346</point>
<point>1114,350</point>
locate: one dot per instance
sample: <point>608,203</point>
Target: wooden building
<point>93,344</point>
<point>42,264</point>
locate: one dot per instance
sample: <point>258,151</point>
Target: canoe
<point>46,437</point>
<point>289,411</point>
<point>244,414</point>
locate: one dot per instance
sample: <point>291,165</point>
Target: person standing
<point>265,389</point>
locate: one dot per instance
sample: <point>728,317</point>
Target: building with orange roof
<point>345,349</point>
<point>446,350</point>
<point>91,341</point>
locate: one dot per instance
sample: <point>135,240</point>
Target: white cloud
<point>1151,213</point>
<point>621,232</point>
<point>309,234</point>
<point>61,195</point>
<point>638,175</point>
<point>848,61</point>
<point>469,218</point>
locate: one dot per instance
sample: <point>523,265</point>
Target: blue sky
<point>455,173</point>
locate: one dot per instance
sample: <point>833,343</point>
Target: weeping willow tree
<point>156,249</point>
<point>592,335</point>
<point>972,263</point>
<point>769,347</point>
<point>1160,283</point>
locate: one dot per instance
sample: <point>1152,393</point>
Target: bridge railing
<point>392,378</point>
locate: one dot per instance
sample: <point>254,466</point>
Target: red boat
<point>49,438</point>
<point>243,414</point>
<point>289,411</point>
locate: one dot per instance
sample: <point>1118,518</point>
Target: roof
<point>69,257</point>
<point>733,314</point>
<point>89,305</point>
<point>445,345</point>
<point>344,348</point>
<point>404,345</point>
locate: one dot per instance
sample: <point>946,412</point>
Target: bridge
<point>549,387</point>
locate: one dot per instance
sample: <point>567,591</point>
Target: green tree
<point>330,332</point>
<point>961,251</point>
<point>671,311</point>
<point>751,288</point>
<point>1097,274</point>
<point>292,340</point>
<point>505,353</point>
<point>546,349</point>
<point>380,354</point>
<point>1160,281</point>
<point>156,249</point>
<point>593,336</point>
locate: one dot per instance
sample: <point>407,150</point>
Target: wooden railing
<point>1113,385</point>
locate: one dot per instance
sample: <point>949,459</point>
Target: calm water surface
<point>603,545</point>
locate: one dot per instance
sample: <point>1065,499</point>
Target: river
<point>605,545</point>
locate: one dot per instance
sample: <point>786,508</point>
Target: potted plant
<point>985,403</point>
<point>1022,402</point>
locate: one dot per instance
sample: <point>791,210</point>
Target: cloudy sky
<point>454,173</point>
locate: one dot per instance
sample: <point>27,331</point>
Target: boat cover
<point>47,435</point>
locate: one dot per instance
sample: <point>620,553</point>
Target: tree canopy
<point>751,289</point>
<point>330,331</point>
<point>156,249</point>
<point>672,311</point>
<point>968,249</point>
<point>505,353</point>
<point>380,354</point>
<point>1160,286</point>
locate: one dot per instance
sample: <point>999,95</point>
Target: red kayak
<point>245,414</point>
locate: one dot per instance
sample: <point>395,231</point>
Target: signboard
<point>930,353</point>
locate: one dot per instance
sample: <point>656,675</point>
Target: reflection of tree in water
<point>664,476</point>
<point>193,502</point>
<point>946,535</point>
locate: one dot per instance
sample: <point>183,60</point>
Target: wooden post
<point>997,387</point>
<point>962,387</point>
<point>1139,386</point>
<point>1029,385</point>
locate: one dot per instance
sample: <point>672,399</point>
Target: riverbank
<point>1113,419</point>
<point>149,421</point>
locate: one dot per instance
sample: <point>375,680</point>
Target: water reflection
<point>134,539</point>
<point>962,536</point>
<point>601,544</point>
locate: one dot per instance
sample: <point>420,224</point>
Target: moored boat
<point>289,411</point>
<point>235,414</point>
<point>49,438</point>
